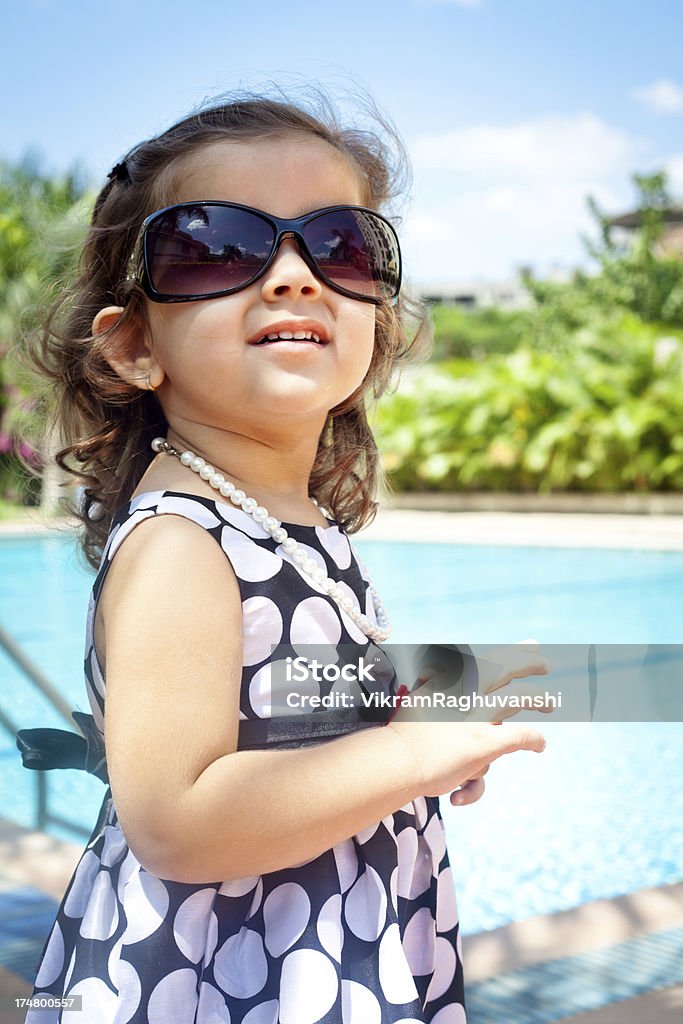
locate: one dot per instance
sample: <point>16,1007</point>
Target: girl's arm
<point>192,807</point>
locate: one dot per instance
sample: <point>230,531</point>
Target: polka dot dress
<point>365,933</point>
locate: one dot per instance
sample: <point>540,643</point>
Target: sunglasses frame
<point>284,228</point>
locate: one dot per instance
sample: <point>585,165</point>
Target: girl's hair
<point>104,424</point>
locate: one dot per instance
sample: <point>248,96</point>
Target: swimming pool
<point>600,813</point>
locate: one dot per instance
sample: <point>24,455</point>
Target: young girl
<point>238,302</point>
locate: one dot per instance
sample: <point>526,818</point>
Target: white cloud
<point>662,96</point>
<point>553,146</point>
<point>427,228</point>
<point>489,198</point>
<point>488,232</point>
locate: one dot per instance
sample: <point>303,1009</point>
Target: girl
<point>238,301</point>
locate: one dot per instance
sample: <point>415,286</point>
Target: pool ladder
<point>44,816</point>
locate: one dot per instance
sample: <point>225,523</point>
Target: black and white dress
<point>365,933</point>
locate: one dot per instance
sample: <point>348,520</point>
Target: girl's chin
<point>307,404</point>
<point>298,394</point>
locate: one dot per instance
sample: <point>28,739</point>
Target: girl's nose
<point>289,273</point>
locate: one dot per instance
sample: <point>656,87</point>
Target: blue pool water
<point>599,813</point>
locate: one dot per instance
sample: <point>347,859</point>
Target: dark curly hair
<point>104,424</point>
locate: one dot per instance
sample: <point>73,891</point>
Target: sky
<point>512,111</point>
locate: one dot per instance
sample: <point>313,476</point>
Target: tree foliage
<point>630,276</point>
<point>42,222</point>
<point>608,419</point>
<point>634,275</point>
<point>582,391</point>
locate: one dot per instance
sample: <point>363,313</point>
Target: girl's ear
<point>126,350</point>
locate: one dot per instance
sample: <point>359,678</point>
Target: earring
<point>149,384</point>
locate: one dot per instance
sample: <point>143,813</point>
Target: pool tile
<point>557,989</point>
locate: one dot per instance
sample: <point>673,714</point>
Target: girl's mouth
<point>297,336</point>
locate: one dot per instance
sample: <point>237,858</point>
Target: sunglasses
<point>202,250</point>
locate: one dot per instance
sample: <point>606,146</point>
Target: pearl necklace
<point>274,527</point>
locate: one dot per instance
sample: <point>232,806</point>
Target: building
<point>671,242</point>
<point>506,294</point>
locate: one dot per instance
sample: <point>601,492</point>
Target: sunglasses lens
<point>356,250</point>
<point>204,249</point>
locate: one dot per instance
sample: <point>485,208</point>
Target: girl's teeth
<point>296,335</point>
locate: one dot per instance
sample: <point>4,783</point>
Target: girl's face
<point>212,374</point>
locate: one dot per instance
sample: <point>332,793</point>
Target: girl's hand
<point>470,791</point>
<point>497,669</point>
<point>458,753</point>
<point>449,754</point>
<point>500,666</point>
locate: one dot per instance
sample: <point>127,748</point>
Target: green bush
<point>476,334</point>
<point>42,222</point>
<point>606,417</point>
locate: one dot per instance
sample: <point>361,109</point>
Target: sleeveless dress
<point>365,933</point>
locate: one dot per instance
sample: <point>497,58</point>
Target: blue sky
<point>512,110</point>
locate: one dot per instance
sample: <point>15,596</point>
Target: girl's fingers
<point>516,665</point>
<point>453,753</point>
<point>507,710</point>
<point>525,666</point>
<point>469,792</point>
<point>505,739</point>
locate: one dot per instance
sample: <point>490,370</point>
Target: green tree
<point>634,276</point>
<point>42,222</point>
<point>581,392</point>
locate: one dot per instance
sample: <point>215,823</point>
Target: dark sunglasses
<point>201,250</point>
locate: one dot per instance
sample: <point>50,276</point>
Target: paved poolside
<point>656,532</point>
<point>537,529</point>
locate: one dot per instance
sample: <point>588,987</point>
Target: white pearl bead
<point>299,556</point>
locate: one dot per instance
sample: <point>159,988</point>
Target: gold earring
<point>150,386</point>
